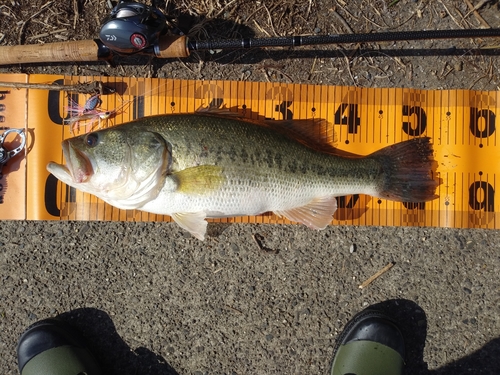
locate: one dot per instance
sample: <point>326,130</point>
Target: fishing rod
<point>135,28</point>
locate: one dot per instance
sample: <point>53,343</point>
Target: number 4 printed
<point>347,113</point>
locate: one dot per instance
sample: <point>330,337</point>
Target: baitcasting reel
<point>132,27</point>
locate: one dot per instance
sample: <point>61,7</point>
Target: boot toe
<point>371,344</point>
<point>54,347</point>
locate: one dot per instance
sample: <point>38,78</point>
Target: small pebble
<point>352,249</point>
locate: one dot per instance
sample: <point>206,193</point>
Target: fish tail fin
<point>408,167</point>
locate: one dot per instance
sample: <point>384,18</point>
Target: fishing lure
<point>91,104</point>
<point>91,117</point>
<point>90,113</point>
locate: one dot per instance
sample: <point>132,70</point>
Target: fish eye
<point>92,139</point>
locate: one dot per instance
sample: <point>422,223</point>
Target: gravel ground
<point>154,300</point>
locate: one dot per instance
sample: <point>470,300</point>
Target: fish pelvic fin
<point>409,171</point>
<point>199,180</point>
<point>193,222</point>
<point>317,214</point>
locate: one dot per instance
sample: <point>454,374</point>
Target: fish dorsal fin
<point>193,222</point>
<point>317,214</point>
<point>219,111</point>
<point>316,133</point>
<point>199,180</point>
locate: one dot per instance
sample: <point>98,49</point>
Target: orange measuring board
<point>461,124</point>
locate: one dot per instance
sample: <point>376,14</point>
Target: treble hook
<point>6,155</point>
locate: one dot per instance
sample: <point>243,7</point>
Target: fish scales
<point>196,166</point>
<point>277,172</point>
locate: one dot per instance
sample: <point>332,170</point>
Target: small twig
<point>270,20</point>
<point>348,64</point>
<point>235,309</point>
<point>266,75</point>
<point>476,81</point>
<point>185,66</point>
<point>372,22</point>
<point>473,10</point>
<point>223,9</point>
<point>347,12</point>
<point>376,275</point>
<point>93,87</point>
<point>311,72</point>
<point>451,15</point>
<point>309,9</point>
<point>253,13</point>
<point>21,31</point>
<point>46,34</point>
<point>260,28</point>
<point>342,21</point>
<point>76,14</point>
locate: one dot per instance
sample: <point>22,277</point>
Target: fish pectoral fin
<point>199,180</point>
<point>317,214</point>
<point>193,222</point>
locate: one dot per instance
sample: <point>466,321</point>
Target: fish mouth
<point>77,163</point>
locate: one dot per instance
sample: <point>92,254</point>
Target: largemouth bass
<point>198,166</point>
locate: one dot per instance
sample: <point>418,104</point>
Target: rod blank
<point>295,41</point>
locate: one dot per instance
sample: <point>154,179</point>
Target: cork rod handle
<point>170,46</point>
<point>82,50</point>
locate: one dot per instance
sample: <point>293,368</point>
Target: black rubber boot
<point>53,347</point>
<point>371,344</point>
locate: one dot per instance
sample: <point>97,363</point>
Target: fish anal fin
<point>193,222</point>
<point>317,214</point>
<point>199,180</point>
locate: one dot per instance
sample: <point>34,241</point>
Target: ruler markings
<point>462,125</point>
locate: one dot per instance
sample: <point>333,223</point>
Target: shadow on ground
<point>117,357</point>
<point>413,324</point>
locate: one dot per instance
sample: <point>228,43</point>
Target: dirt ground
<point>153,301</point>
<point>419,64</point>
